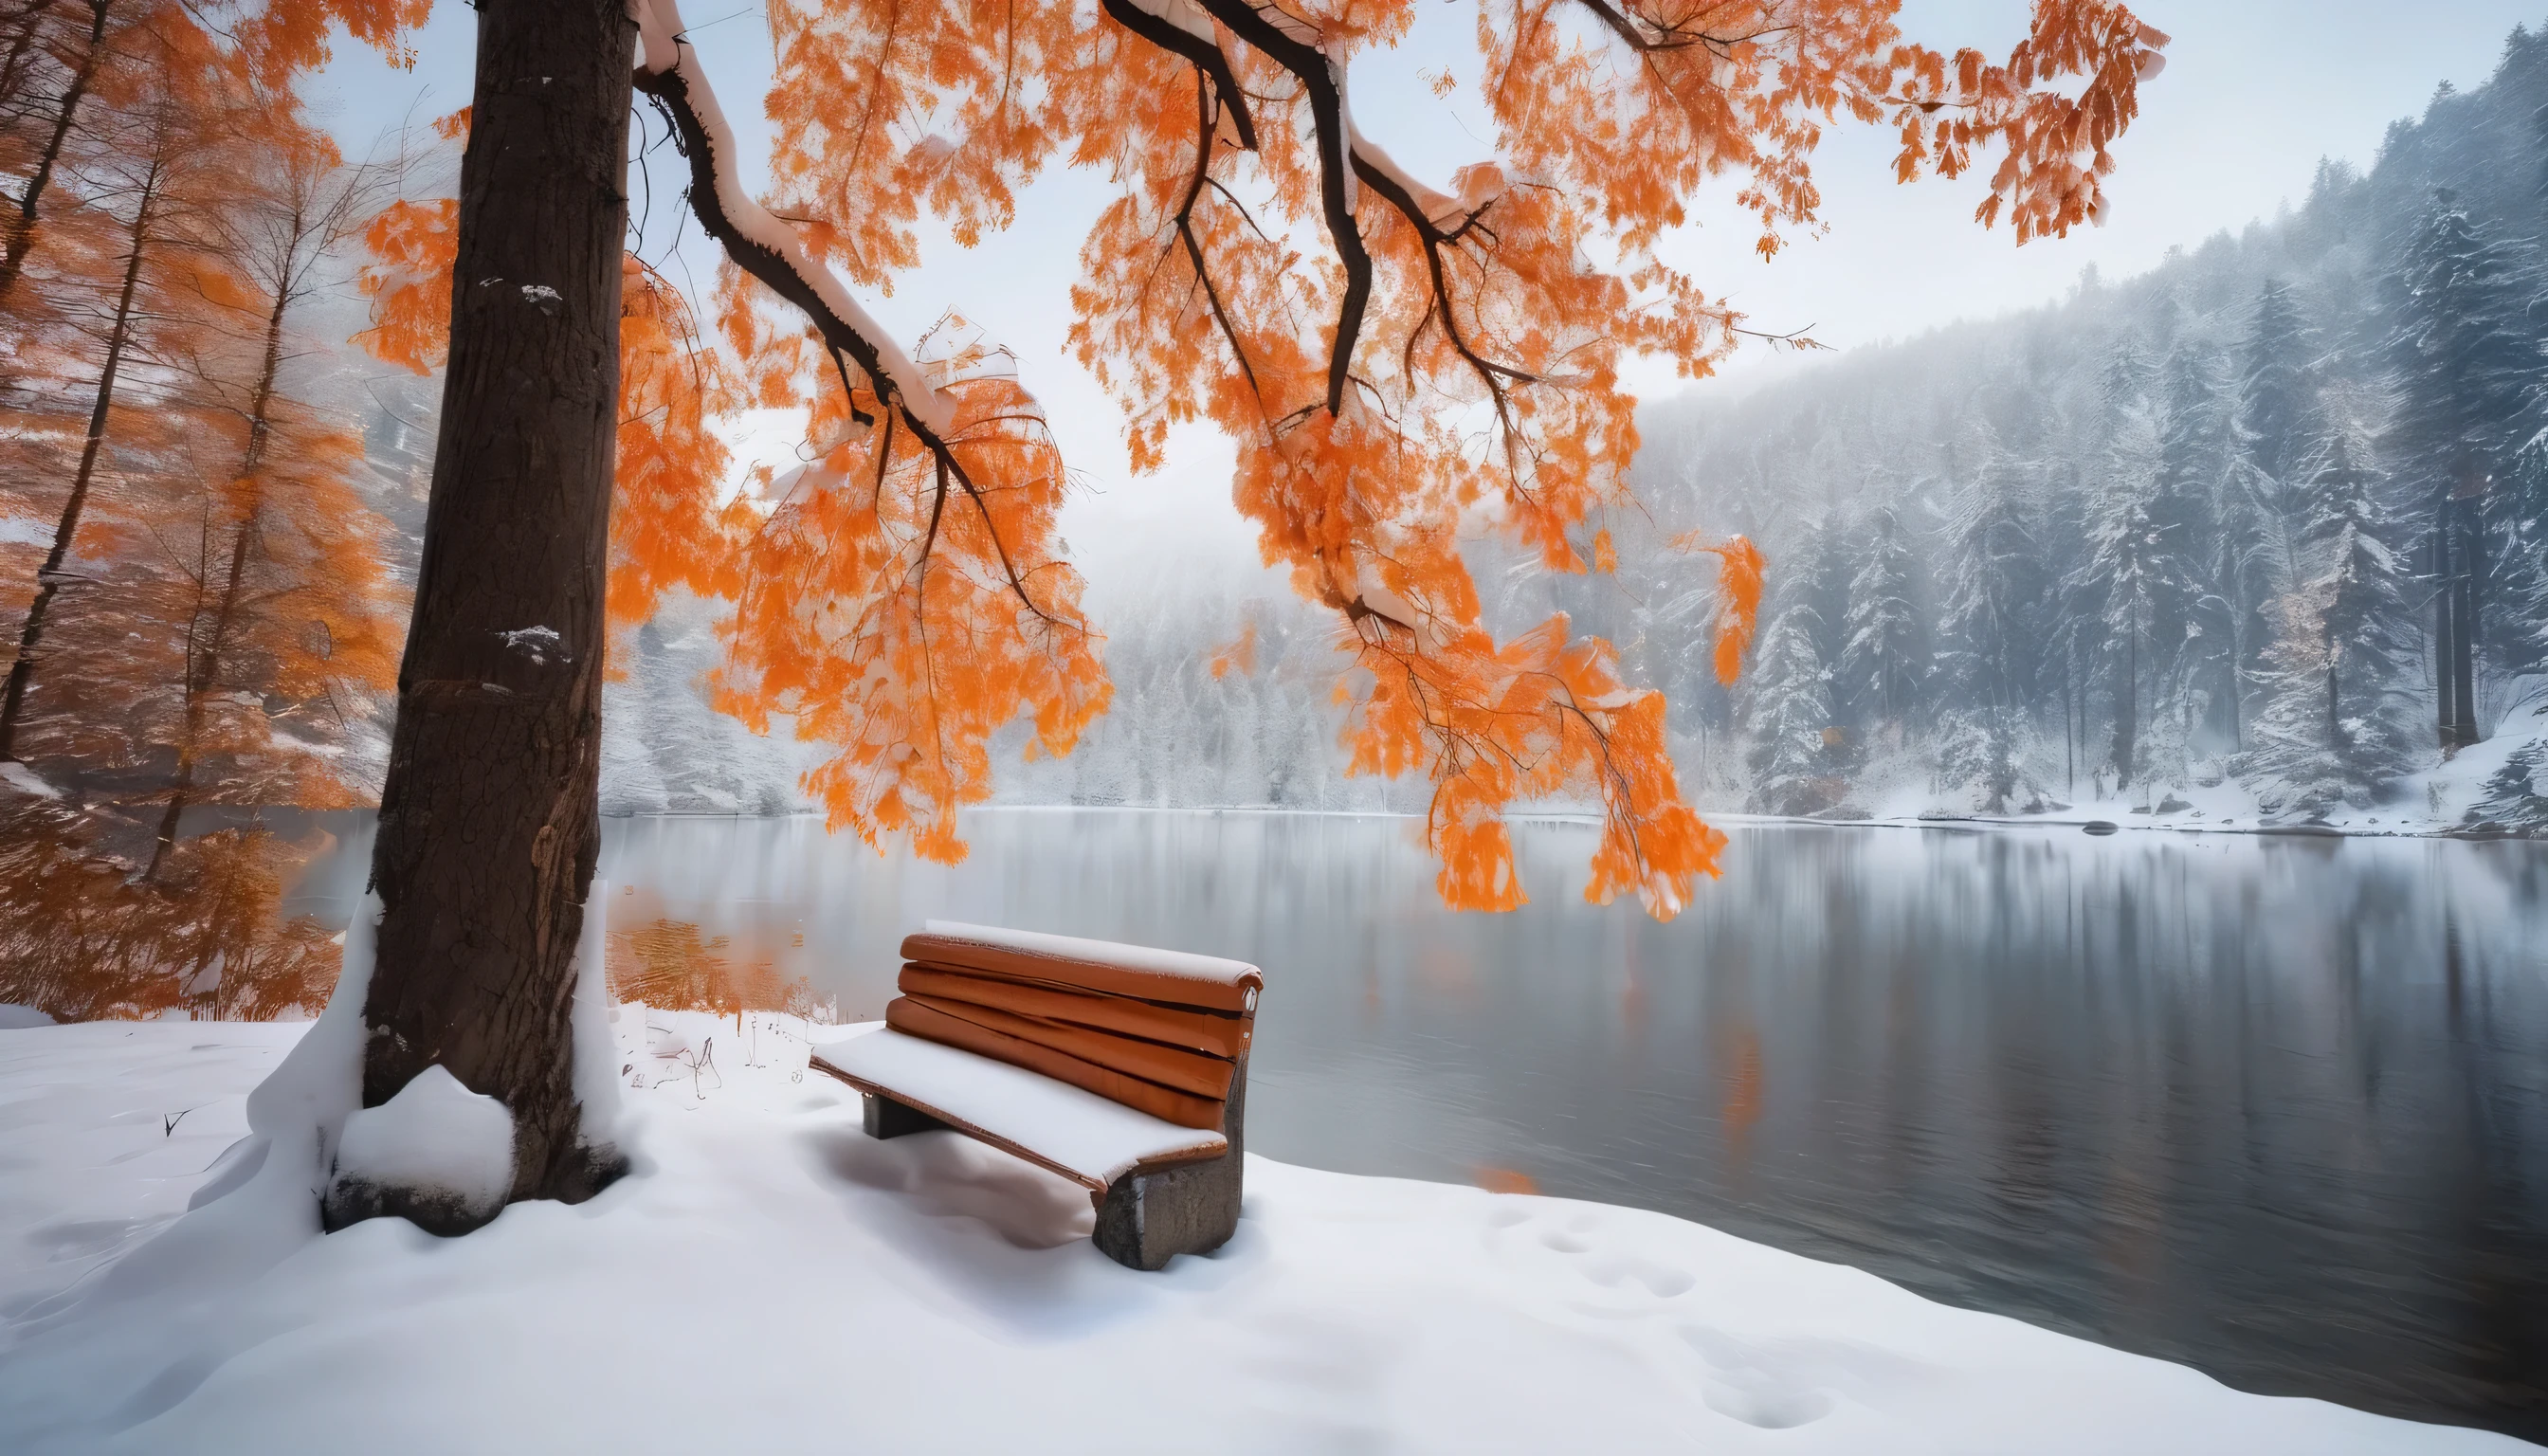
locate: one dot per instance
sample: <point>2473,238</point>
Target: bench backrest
<point>1162,1032</point>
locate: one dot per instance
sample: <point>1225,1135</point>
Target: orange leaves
<point>1239,655</point>
<point>667,529</point>
<point>883,107</point>
<point>82,939</point>
<point>1400,367</point>
<point>1541,717</point>
<point>281,38</point>
<point>1738,598</point>
<point>902,604</point>
<point>2057,143</point>
<point>408,281</point>
<point>1746,86</point>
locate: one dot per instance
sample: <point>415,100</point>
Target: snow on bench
<point>1121,1067</point>
<point>1079,1134</point>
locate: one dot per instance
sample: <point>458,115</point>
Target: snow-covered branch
<point>760,242</point>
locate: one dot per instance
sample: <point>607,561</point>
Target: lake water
<point>2273,1107</point>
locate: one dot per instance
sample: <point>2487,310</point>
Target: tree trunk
<point>2127,707</point>
<point>2443,714</point>
<point>2464,626</point>
<point>2237,685</point>
<point>50,576</point>
<point>490,823</point>
<point>2073,709</point>
<point>29,23</point>
<point>21,228</point>
<point>199,686</point>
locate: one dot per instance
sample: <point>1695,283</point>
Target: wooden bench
<point>1121,1068</point>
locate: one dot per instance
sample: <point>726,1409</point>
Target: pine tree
<point>2204,544</point>
<point>1993,627</point>
<point>1883,659</point>
<point>1821,568</point>
<point>2342,663</point>
<point>2465,362</point>
<point>2264,493</point>
<point>2273,384</point>
<point>2129,581</point>
<point>2516,796</point>
<point>286,596</point>
<point>1789,708</point>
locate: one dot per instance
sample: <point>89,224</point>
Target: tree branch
<point>1318,77</point>
<point>1206,55</point>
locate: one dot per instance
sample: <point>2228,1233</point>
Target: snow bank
<point>17,1018</point>
<point>774,1280</point>
<point>259,1203</point>
<point>596,1048</point>
<point>435,1140</point>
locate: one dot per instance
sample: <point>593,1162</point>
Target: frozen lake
<point>2274,1107</point>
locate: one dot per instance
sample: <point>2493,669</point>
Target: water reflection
<point>2274,1107</point>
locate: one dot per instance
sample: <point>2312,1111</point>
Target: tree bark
<point>488,821</point>
<point>50,576</point>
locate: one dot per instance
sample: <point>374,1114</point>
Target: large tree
<point>1397,362</point>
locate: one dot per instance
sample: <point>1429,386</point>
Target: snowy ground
<point>772,1280</point>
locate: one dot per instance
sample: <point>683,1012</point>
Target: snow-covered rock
<point>437,1142</point>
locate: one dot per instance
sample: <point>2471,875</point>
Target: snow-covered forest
<point>2273,513</point>
<point>2195,527</point>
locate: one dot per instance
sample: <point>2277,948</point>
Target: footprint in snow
<point>1776,1383</point>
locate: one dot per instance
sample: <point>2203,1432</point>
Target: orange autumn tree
<point>1399,360</point>
<point>195,598</point>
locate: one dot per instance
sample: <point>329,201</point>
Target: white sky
<point>2255,93</point>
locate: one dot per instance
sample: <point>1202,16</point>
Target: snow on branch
<point>760,242</point>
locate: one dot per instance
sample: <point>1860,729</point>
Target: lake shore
<point>771,1278</point>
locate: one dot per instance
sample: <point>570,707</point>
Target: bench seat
<point>1085,1138</point>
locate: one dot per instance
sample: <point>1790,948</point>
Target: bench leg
<point>885,1117</point>
<point>1148,1219</point>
